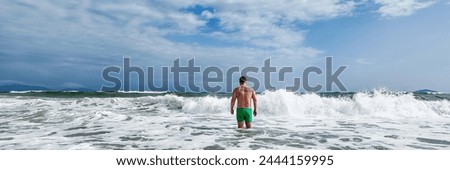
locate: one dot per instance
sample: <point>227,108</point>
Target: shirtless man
<point>244,95</point>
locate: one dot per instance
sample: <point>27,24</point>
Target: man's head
<point>242,79</point>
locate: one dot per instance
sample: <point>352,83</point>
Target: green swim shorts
<point>244,114</point>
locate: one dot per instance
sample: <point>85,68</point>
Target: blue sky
<point>393,44</point>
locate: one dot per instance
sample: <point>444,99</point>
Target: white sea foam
<point>143,92</point>
<point>273,103</point>
<point>286,120</point>
<point>28,91</point>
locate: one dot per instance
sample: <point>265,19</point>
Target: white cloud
<point>363,61</point>
<point>395,8</point>
<point>88,32</point>
<point>270,24</point>
<point>207,14</point>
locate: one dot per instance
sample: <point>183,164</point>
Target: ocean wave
<point>270,103</point>
<point>143,92</point>
<point>28,91</point>
<point>286,120</point>
<point>377,103</point>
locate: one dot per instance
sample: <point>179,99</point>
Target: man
<point>244,95</point>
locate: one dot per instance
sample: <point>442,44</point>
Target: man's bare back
<point>244,95</point>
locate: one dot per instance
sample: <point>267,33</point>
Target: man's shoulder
<point>250,89</point>
<point>236,89</point>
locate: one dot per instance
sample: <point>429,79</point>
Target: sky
<point>392,44</point>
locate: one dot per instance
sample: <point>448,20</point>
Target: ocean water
<point>286,120</point>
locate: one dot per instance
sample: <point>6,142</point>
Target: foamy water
<point>379,120</point>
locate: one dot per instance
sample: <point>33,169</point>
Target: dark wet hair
<point>242,79</point>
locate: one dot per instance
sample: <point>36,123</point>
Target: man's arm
<point>254,103</point>
<point>233,101</point>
